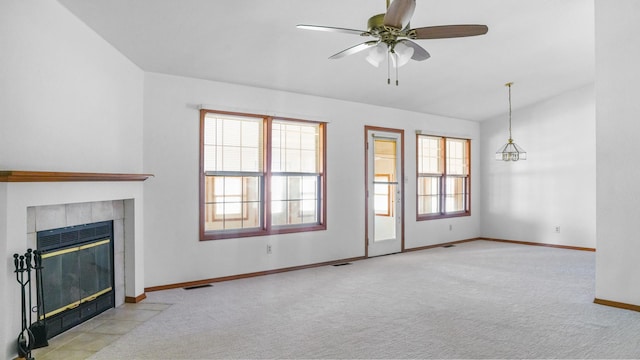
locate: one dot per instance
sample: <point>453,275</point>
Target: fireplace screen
<point>76,275</point>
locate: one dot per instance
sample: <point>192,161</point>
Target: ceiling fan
<point>393,36</point>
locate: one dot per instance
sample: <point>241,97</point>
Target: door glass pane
<point>384,225</point>
<point>385,158</point>
<point>381,198</point>
<point>95,269</point>
<point>60,281</point>
<point>384,188</point>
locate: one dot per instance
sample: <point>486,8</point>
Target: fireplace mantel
<point>50,176</point>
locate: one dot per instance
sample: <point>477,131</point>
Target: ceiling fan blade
<point>419,53</point>
<point>399,13</point>
<point>333,29</point>
<point>354,49</point>
<point>447,31</point>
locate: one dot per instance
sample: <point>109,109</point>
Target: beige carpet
<point>475,300</point>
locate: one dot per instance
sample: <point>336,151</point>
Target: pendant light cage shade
<point>510,151</point>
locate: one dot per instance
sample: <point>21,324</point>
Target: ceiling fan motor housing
<point>375,23</point>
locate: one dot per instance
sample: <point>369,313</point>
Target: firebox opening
<point>77,274</point>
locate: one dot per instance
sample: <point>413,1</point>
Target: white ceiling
<point>545,46</point>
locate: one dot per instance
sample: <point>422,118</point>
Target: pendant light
<point>510,151</point>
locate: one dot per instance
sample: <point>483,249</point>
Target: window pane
<point>232,143</point>
<point>428,205</point>
<point>456,194</point>
<point>457,162</point>
<point>251,215</point>
<point>429,155</point>
<point>278,188</point>
<point>310,187</point>
<point>308,161</point>
<point>309,211</point>
<point>295,200</point>
<point>292,160</point>
<point>295,215</point>
<point>232,202</point>
<point>295,147</point>
<point>252,188</point>
<point>294,187</point>
<point>428,195</point>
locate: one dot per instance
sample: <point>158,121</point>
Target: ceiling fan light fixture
<point>403,54</point>
<point>377,54</point>
<point>510,151</point>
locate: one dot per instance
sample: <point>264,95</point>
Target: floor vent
<point>448,246</point>
<point>197,286</point>
<point>343,264</point>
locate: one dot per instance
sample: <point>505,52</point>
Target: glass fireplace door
<point>76,275</point>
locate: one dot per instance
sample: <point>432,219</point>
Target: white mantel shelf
<point>50,176</point>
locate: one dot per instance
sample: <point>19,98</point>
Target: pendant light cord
<point>509,85</point>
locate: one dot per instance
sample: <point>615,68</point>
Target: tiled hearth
<point>86,339</point>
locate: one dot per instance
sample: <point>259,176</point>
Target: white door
<point>384,192</point>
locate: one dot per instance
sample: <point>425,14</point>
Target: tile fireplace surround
<point>49,217</point>
<point>35,201</point>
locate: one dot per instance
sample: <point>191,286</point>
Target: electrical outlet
<point>450,227</point>
<point>557,229</point>
<point>268,248</point>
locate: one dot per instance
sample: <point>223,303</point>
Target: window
<point>443,184</point>
<point>260,175</point>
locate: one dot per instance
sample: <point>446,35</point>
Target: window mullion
<point>267,147</point>
<point>443,177</point>
<point>319,199</point>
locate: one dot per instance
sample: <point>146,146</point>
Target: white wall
<point>68,102</point>
<point>173,252</point>
<point>556,185</point>
<point>6,283</point>
<point>618,173</point>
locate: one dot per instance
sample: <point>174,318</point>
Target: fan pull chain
<point>388,69</point>
<point>396,69</point>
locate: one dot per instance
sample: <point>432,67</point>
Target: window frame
<point>442,178</point>
<point>265,228</point>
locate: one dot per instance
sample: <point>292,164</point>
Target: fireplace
<point>77,274</point>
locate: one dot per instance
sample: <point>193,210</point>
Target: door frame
<point>401,181</point>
